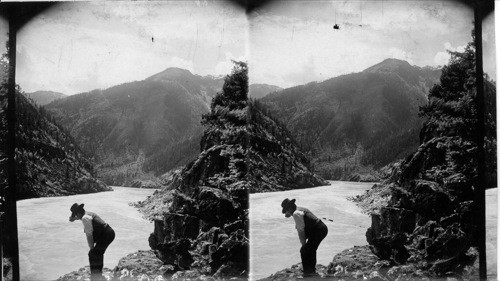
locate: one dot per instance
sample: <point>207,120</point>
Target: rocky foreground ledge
<point>141,266</point>
<point>359,263</point>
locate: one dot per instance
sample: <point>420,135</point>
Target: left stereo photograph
<point>131,141</point>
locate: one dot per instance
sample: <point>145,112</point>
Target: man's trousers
<point>96,255</point>
<point>308,250</point>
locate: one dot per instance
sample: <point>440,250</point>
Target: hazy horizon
<point>223,75</point>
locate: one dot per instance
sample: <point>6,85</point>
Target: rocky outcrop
<point>428,221</point>
<point>201,218</point>
<point>421,221</point>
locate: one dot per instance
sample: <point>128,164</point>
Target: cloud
<point>449,47</point>
<point>443,57</point>
<point>224,67</point>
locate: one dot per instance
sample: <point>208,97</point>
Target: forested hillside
<point>48,160</point>
<point>355,123</point>
<point>142,129</point>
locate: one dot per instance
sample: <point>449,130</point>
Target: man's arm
<point>90,240</point>
<point>302,236</point>
<point>89,230</point>
<point>300,225</point>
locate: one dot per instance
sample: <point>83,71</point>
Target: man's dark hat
<point>75,208</point>
<point>286,204</point>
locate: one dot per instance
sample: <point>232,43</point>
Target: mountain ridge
<point>353,110</point>
<point>348,122</point>
<point>258,91</point>
<point>129,125</point>
<point>44,97</point>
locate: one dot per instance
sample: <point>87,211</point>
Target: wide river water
<point>275,244</point>
<point>51,246</point>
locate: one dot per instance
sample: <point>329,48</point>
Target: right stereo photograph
<point>380,153</point>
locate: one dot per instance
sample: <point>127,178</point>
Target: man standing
<point>311,232</point>
<point>99,236</point>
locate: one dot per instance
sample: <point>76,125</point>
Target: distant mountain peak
<point>258,91</point>
<point>45,97</point>
<point>172,73</point>
<point>388,65</point>
<point>394,60</point>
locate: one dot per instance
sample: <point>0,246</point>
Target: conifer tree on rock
<point>201,219</point>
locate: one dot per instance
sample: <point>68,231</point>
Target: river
<point>51,246</point>
<point>274,241</point>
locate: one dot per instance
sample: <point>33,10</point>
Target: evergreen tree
<point>451,114</point>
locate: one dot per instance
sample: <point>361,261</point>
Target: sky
<point>4,29</point>
<point>78,47</point>
<point>293,43</point>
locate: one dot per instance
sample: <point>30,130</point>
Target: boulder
<point>459,186</point>
<point>430,200</point>
<point>216,206</point>
<point>173,226</point>
<point>401,272</point>
<point>450,243</point>
<point>141,262</point>
<point>233,248</point>
<point>390,221</point>
<point>353,260</point>
<point>176,253</point>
